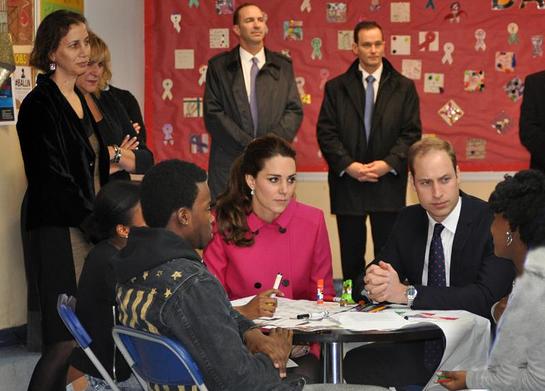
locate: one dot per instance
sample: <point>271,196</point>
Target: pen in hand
<point>277,283</point>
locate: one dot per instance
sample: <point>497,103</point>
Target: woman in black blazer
<point>66,162</point>
<point>125,136</point>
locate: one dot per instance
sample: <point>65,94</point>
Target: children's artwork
<point>473,81</point>
<point>400,12</point>
<point>502,122</point>
<point>514,88</point>
<point>219,38</point>
<point>400,45</point>
<point>411,68</point>
<point>537,43</point>
<point>456,13</point>
<point>184,58</point>
<point>293,30</point>
<point>344,39</point>
<point>193,107</point>
<point>451,112</point>
<point>176,19</point>
<point>476,149</point>
<point>225,7</point>
<point>199,143</point>
<point>428,41</point>
<point>505,61</point>
<point>513,29</point>
<point>480,44</point>
<point>336,12</point>
<point>168,138</point>
<point>434,83</point>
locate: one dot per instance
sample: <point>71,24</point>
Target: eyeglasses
<point>369,45</point>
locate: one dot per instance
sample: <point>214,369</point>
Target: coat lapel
<point>239,91</point>
<point>354,89</point>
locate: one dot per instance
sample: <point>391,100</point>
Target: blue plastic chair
<point>157,359</point>
<point>65,308</point>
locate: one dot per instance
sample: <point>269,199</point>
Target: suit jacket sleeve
<point>477,277</point>
<point>223,129</point>
<point>532,127</point>
<point>332,148</point>
<point>411,131</point>
<point>293,112</point>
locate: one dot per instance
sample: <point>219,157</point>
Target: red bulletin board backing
<point>467,58</point>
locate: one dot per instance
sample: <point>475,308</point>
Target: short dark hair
<point>167,187</point>
<point>428,144</point>
<point>520,199</point>
<point>366,25</point>
<point>236,14</point>
<point>113,205</point>
<point>50,32</point>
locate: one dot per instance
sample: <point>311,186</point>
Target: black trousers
<point>390,364</point>
<point>353,239</point>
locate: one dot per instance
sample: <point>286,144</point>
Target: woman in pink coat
<point>261,230</point>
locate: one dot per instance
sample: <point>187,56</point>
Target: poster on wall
<point>21,21</point>
<point>49,6</point>
<point>7,104</point>
<point>468,60</point>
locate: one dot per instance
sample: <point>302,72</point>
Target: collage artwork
<point>467,58</point>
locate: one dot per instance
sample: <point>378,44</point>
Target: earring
<point>52,66</point>
<point>509,238</point>
<point>252,192</point>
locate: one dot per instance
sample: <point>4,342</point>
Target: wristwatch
<point>411,293</point>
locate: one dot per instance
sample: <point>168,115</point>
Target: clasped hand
<point>369,172</point>
<point>382,284</point>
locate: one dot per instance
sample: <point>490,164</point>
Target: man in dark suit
<point>250,91</point>
<point>440,255</point>
<point>369,117</point>
<point>532,119</point>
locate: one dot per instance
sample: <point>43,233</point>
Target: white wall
<point>121,24</point>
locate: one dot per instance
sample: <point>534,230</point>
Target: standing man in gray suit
<point>250,92</point>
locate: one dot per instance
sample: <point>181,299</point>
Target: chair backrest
<point>157,359</point>
<point>66,309</point>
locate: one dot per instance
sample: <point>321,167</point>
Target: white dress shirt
<point>246,61</point>
<point>377,75</point>
<point>447,238</point>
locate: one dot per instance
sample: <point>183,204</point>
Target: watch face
<point>411,292</point>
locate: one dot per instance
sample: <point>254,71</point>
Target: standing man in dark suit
<point>440,256</point>
<point>369,118</point>
<point>532,119</point>
<point>250,92</point>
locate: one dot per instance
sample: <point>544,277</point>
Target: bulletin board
<point>468,60</point>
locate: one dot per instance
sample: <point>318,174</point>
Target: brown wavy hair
<point>235,204</point>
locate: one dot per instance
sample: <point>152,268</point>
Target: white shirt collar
<point>377,74</point>
<point>451,221</point>
<point>246,56</point>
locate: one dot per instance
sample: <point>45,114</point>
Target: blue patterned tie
<point>433,350</point>
<point>436,261</point>
<point>369,105</point>
<point>253,97</point>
